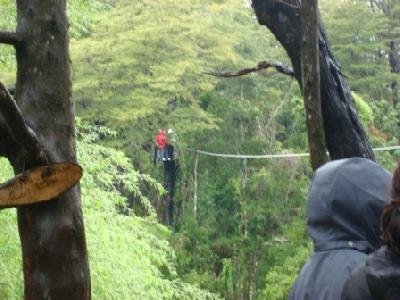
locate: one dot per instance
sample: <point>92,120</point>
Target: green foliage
<point>280,279</point>
<point>290,251</point>
<point>128,245</point>
<point>147,58</point>
<point>11,284</point>
<point>365,113</point>
<point>138,66</point>
<point>82,15</point>
<point>113,172</point>
<point>242,205</point>
<point>387,120</point>
<point>130,257</point>
<point>358,40</point>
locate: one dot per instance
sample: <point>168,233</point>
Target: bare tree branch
<point>10,38</point>
<point>260,66</point>
<point>17,127</point>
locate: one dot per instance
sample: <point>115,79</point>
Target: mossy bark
<point>311,82</point>
<point>52,235</point>
<point>394,61</point>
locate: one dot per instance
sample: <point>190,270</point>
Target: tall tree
<point>311,82</point>
<point>52,235</point>
<point>344,134</point>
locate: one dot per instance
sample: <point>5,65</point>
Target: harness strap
<point>362,246</point>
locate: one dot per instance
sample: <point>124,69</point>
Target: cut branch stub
<point>10,38</point>
<point>39,184</point>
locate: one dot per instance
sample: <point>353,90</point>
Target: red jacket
<point>161,140</point>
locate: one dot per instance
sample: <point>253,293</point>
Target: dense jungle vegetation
<point>239,230</point>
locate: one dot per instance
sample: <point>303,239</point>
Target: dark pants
<point>165,154</point>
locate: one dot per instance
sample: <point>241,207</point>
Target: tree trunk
<point>169,186</point>
<point>52,234</point>
<point>394,61</point>
<point>344,134</point>
<point>311,82</point>
<point>196,164</point>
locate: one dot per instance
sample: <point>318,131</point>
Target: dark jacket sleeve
<point>356,287</point>
<point>325,273</point>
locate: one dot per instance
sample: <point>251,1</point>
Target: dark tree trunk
<point>52,234</point>
<point>311,82</point>
<point>344,134</point>
<point>394,61</point>
<point>394,57</point>
<point>169,186</point>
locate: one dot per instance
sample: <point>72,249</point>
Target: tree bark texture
<point>394,61</point>
<point>344,134</point>
<point>10,38</point>
<point>52,235</point>
<point>311,82</point>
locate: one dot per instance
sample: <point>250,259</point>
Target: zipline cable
<point>283,155</point>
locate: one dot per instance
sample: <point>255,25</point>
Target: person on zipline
<point>165,153</point>
<point>344,203</point>
<point>161,142</point>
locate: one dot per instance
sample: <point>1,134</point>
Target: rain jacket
<point>378,279</point>
<point>344,203</point>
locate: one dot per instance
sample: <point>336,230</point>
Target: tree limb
<point>283,20</point>
<point>18,129</point>
<point>260,66</point>
<point>10,38</point>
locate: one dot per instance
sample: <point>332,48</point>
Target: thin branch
<point>260,66</point>
<point>17,127</point>
<point>10,38</point>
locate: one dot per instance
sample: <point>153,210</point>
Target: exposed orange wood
<point>39,184</point>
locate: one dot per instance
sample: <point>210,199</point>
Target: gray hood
<point>344,204</point>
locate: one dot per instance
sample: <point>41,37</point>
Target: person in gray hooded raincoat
<point>344,204</point>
